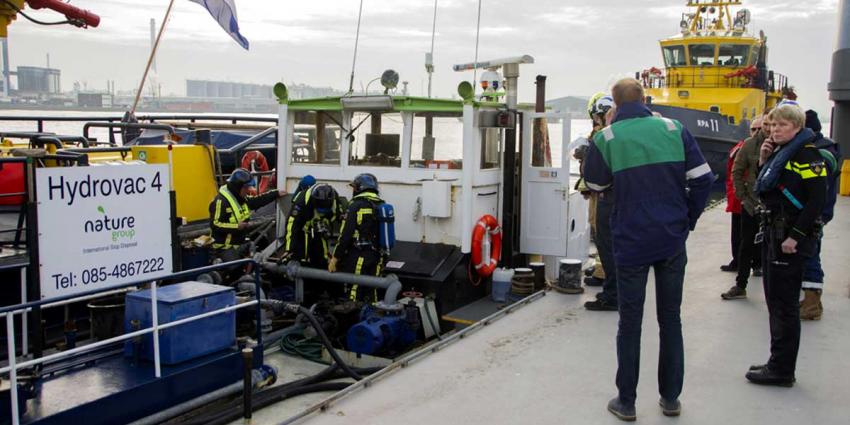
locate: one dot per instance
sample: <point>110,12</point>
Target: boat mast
<point>150,58</point>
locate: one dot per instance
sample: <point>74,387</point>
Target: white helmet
<point>602,105</point>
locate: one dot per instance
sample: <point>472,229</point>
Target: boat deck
<point>553,362</point>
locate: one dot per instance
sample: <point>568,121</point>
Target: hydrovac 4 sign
<point>102,226</point>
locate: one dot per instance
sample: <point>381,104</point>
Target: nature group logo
<point>118,228</point>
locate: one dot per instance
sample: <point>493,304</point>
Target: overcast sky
<point>582,46</point>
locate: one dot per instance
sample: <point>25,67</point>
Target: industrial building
<point>38,80</point>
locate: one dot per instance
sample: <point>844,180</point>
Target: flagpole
<point>150,58</point>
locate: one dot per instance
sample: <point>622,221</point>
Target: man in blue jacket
<point>661,183</point>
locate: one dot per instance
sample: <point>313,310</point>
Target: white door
<point>545,186</point>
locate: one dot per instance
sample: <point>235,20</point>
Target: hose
<point>232,410</point>
<point>301,346</point>
<point>265,399</point>
<point>327,342</point>
<point>431,320</point>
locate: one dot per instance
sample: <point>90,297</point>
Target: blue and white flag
<point>224,11</point>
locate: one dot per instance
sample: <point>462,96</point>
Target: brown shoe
<point>734,293</point>
<point>811,307</point>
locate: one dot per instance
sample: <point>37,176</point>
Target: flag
<point>224,11</point>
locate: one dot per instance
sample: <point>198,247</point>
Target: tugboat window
<point>733,54</point>
<point>437,141</point>
<point>377,139</point>
<point>702,54</point>
<point>674,56</point>
<point>316,138</point>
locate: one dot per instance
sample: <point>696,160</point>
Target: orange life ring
<point>255,161</point>
<point>486,228</point>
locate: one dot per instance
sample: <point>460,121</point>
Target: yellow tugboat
<point>715,78</point>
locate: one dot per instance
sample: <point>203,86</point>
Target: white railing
<point>10,312</point>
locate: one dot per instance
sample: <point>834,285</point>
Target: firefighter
<point>230,214</point>
<point>358,248</point>
<point>309,225</point>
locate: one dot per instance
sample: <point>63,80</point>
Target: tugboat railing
<point>10,311</point>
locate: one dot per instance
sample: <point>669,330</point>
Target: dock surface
<point>553,362</point>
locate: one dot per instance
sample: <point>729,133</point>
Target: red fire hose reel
<point>81,17</point>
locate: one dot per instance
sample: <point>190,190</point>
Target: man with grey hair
<point>660,182</point>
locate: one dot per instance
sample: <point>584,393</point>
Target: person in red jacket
<point>733,205</point>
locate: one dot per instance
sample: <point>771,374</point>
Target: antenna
<point>477,32</point>
<point>429,58</point>
<point>356,42</point>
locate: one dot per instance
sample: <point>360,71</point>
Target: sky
<point>582,47</point>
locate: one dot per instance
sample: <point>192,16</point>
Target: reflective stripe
<point>217,215</point>
<point>359,265</point>
<point>805,170</point>
<point>698,171</point>
<point>608,134</point>
<point>240,212</point>
<point>361,212</point>
<point>596,187</point>
<point>289,224</point>
<point>671,126</point>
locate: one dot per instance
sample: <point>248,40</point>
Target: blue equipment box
<point>189,340</point>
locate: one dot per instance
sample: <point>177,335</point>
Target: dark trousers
<point>631,285</point>
<point>363,262</point>
<point>604,244</point>
<point>735,236</point>
<point>783,276</point>
<point>749,253</point>
<point>813,272</point>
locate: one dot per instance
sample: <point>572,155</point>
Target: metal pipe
<point>511,73</point>
<point>839,85</point>
<point>293,270</point>
<point>245,143</point>
<point>247,359</point>
<point>111,125</point>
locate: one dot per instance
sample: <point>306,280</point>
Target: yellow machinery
<point>194,172</point>
<point>714,65</point>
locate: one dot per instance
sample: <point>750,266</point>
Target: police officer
<point>357,249</point>
<point>230,213</point>
<point>309,225</point>
<point>792,187</point>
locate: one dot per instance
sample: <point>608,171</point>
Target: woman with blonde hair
<point>792,188</point>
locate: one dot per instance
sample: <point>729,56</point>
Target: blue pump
<point>379,333</point>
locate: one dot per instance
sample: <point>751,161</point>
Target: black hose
<point>262,401</point>
<point>281,392</point>
<point>327,342</point>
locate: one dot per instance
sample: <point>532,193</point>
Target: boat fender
<point>256,162</point>
<point>486,245</point>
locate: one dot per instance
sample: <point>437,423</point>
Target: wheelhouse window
<point>701,54</point>
<point>491,148</point>
<point>733,54</point>
<point>316,138</point>
<point>376,139</point>
<point>547,142</point>
<point>674,56</point>
<point>437,141</point>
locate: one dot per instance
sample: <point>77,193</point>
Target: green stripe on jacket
<point>640,141</point>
